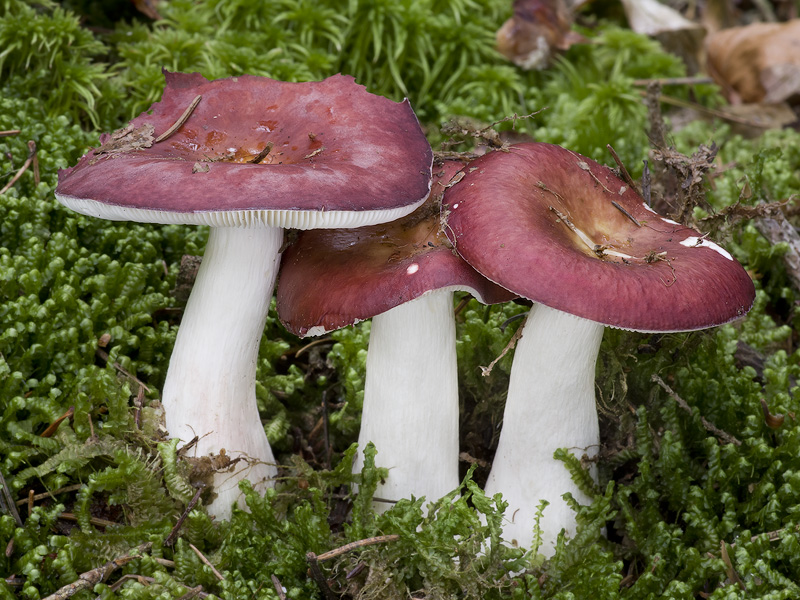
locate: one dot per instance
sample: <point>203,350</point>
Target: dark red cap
<point>331,278</point>
<point>562,230</point>
<point>335,148</point>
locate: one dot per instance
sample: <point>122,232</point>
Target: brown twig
<point>278,587</point>
<point>729,570</point>
<point>263,154</point>
<point>91,578</point>
<point>53,427</point>
<point>43,495</point>
<point>96,521</point>
<point>23,168</point>
<point>7,502</point>
<point>192,593</point>
<point>462,304</point>
<point>708,425</point>
<point>310,345</point>
<point>319,577</point>
<point>32,150</point>
<point>181,120</point>
<point>206,562</point>
<point>486,371</point>
<point>381,539</point>
<point>622,170</point>
<point>104,356</point>
<point>170,539</point>
<point>130,576</point>
<point>626,213</point>
<point>674,81</point>
<point>138,404</point>
<point>9,132</point>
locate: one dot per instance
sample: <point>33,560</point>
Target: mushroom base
<point>209,391</point>
<point>411,399</point>
<point>550,405</point>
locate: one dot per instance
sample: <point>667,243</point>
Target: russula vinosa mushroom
<point>561,230</point>
<point>248,156</point>
<point>403,275</point>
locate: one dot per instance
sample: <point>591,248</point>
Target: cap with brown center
<point>247,155</point>
<point>564,231</point>
<point>402,274</point>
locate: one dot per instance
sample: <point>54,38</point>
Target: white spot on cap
<point>696,242</point>
<point>455,205</point>
<point>412,268</point>
<point>648,208</point>
<point>670,221</point>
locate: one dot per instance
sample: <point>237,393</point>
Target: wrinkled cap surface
<point>560,229</point>
<point>331,278</point>
<point>334,148</point>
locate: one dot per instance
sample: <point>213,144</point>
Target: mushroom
<point>565,232</point>
<point>403,275</point>
<point>248,156</point>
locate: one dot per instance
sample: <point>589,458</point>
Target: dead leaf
<point>126,139</point>
<point>758,62</point>
<point>675,32</point>
<point>537,31</point>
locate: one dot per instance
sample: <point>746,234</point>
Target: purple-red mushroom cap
<point>331,278</point>
<point>564,231</point>
<point>257,151</point>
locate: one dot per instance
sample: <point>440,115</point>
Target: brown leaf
<point>538,29</point>
<point>758,62</point>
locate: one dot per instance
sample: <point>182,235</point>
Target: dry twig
<point>708,425</point>
<point>91,578</point>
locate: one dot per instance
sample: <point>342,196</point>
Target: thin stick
<point>91,578</point>
<point>43,495</point>
<point>486,371</point>
<point>138,403</point>
<point>104,355</point>
<point>674,81</point>
<point>263,154</point>
<point>623,171</point>
<point>708,425</point>
<point>730,571</point>
<point>181,120</point>
<point>462,304</point>
<point>325,432</point>
<point>30,502</point>
<point>316,342</point>
<point>7,502</point>
<point>22,169</point>
<point>170,539</point>
<point>140,578</point>
<point>318,577</point>
<point>32,150</point>
<point>191,593</point>
<point>53,427</point>
<point>206,562</point>
<point>626,213</point>
<point>98,522</point>
<point>381,539</point>
<point>8,132</point>
<point>278,587</point>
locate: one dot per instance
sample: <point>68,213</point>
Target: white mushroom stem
<point>210,387</point>
<point>550,405</point>
<point>411,399</point>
